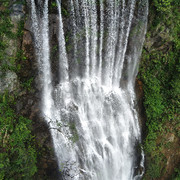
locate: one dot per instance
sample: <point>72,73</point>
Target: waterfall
<point>41,34</point>
<point>91,110</point>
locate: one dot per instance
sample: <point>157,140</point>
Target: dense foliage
<point>17,153</point>
<point>160,74</point>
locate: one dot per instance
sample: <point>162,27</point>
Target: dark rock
<point>140,107</point>
<point>27,38</point>
<point>19,106</point>
<point>47,161</point>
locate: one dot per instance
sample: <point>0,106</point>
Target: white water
<point>95,96</point>
<point>40,28</point>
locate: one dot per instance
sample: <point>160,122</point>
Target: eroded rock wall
<point>19,77</point>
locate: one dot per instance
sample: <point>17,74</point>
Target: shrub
<point>17,152</point>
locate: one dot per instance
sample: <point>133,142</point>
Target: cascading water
<point>91,111</point>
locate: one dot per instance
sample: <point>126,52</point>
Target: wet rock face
<point>46,160</point>
<point>140,107</point>
<point>9,81</point>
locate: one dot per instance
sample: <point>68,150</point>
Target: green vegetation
<point>53,4</point>
<point>17,152</point>
<point>5,34</point>
<point>75,137</point>
<point>65,12</point>
<point>160,74</point>
<point>163,5</point>
<point>27,84</point>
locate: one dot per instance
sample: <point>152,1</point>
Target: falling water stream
<point>91,110</point>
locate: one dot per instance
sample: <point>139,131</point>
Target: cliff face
<point>46,160</point>
<point>19,81</point>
